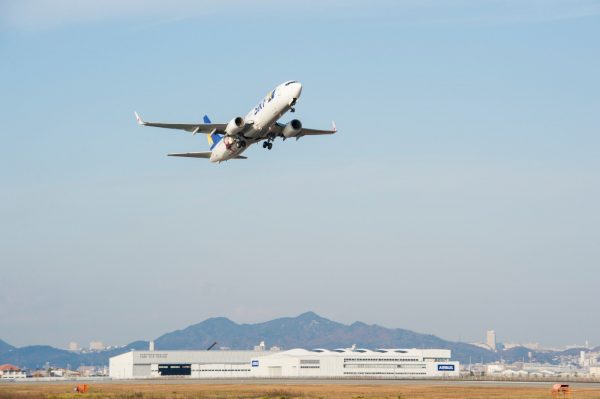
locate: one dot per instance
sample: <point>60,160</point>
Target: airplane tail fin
<point>213,137</point>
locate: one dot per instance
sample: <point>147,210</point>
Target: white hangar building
<point>295,363</point>
<point>194,364</point>
<point>380,363</point>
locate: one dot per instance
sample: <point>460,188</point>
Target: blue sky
<point>459,195</point>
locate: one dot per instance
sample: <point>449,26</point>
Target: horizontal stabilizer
<point>199,155</point>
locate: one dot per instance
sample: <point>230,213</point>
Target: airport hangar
<point>295,363</point>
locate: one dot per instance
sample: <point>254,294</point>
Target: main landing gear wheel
<point>267,144</point>
<point>241,144</point>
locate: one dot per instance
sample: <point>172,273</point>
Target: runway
<point>287,381</point>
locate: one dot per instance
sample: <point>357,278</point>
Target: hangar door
<point>175,369</point>
<point>275,371</point>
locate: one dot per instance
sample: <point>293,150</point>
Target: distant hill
<point>5,347</point>
<point>521,353</point>
<point>35,356</point>
<point>310,330</point>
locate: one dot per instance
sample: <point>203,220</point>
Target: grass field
<point>232,391</point>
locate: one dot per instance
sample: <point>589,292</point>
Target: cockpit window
<point>290,82</point>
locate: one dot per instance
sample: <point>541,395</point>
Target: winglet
<point>333,126</point>
<point>139,119</point>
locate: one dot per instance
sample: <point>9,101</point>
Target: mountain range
<point>4,347</point>
<point>308,330</point>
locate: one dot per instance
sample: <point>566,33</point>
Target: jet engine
<point>292,129</point>
<point>234,126</point>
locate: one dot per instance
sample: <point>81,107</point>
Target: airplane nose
<point>296,90</point>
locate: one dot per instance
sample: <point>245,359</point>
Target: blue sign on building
<point>255,363</point>
<point>445,367</point>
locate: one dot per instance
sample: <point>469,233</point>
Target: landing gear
<point>241,144</point>
<point>269,142</point>
<point>292,109</point>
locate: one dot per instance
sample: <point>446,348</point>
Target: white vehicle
<point>230,140</point>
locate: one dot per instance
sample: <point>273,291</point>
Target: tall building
<point>491,339</point>
<point>73,346</point>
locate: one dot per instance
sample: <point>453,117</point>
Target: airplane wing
<point>315,132</point>
<point>307,132</point>
<point>188,127</point>
<point>205,154</point>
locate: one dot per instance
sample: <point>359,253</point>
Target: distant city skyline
<point>460,194</point>
<point>490,341</point>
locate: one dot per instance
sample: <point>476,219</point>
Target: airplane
<point>229,140</point>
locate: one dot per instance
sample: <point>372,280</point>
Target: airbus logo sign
<point>445,367</point>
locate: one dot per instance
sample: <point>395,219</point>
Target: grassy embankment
<point>326,391</point>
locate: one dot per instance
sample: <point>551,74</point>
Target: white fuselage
<point>259,120</point>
